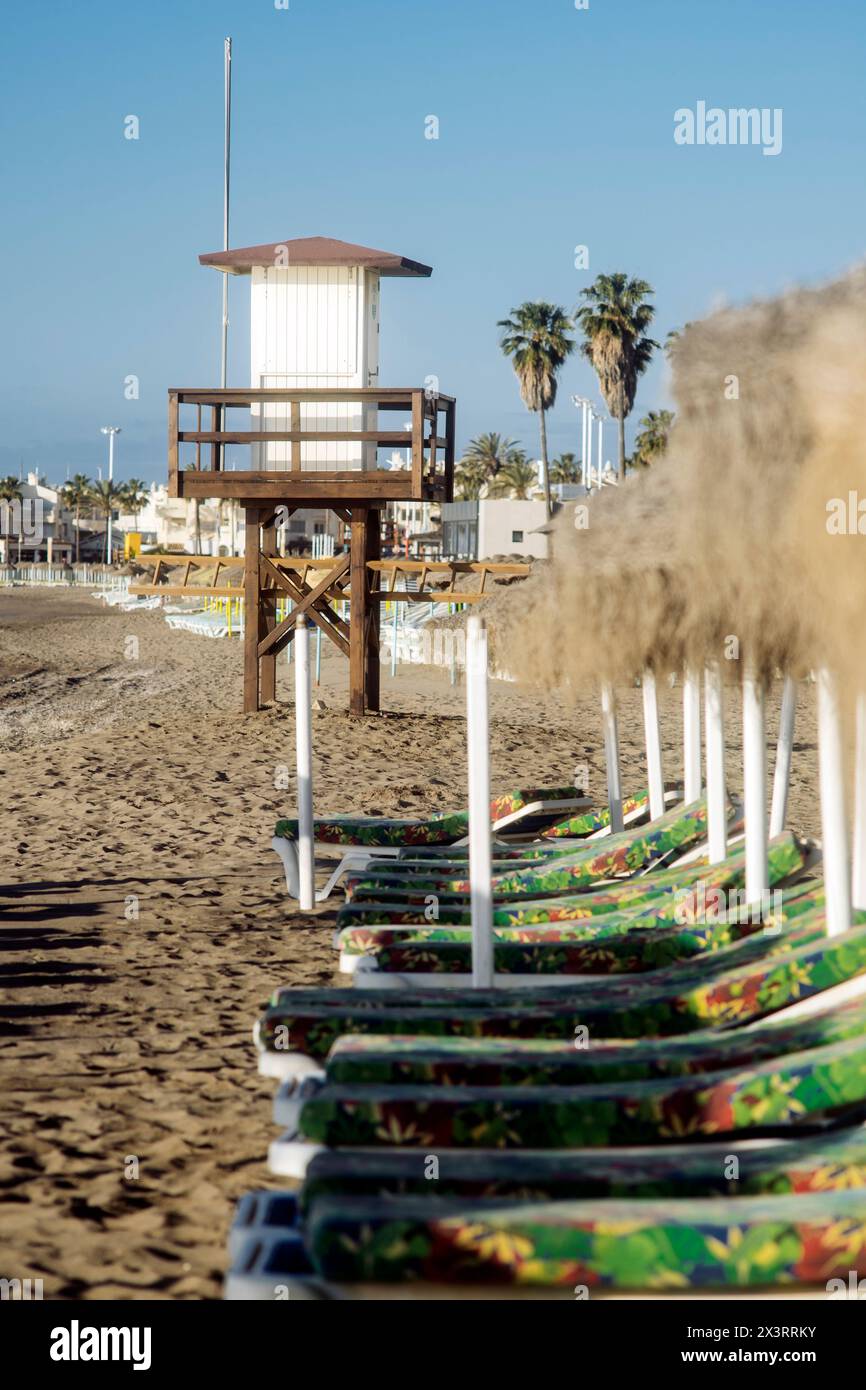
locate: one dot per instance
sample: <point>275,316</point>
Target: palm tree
<point>491,450</point>
<point>471,479</point>
<point>108,498</point>
<point>565,469</point>
<point>135,496</point>
<point>516,478</point>
<point>77,493</point>
<point>10,491</point>
<point>536,338</point>
<point>614,321</point>
<point>652,441</point>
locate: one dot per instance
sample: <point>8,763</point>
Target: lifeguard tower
<point>315,435</point>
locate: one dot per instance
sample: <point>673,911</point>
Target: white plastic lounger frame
<point>717,821</point>
<point>478,757</point>
<point>655,774</point>
<point>611,756</point>
<point>784,752</point>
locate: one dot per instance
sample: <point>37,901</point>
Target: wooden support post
<point>252,591</point>
<point>268,620</point>
<point>359,607</point>
<point>374,552</point>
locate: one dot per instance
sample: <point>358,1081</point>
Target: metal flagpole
<point>226,167</point>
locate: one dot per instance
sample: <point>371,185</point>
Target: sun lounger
<point>622,895</point>
<point>681,999</point>
<point>528,811</point>
<point>695,1243</point>
<point>661,910</point>
<point>833,1160</point>
<point>569,876</point>
<point>771,1098</point>
<point>484,1061</point>
<point>627,948</point>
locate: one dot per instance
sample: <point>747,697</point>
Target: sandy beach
<point>145,922</point>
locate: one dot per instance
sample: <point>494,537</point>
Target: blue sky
<point>556,129</point>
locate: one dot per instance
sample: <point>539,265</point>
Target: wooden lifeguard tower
<point>314,432</point>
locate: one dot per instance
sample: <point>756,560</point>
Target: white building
<point>494,526</point>
<point>169,523</point>
<point>36,527</point>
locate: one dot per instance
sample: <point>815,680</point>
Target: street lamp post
<point>586,439</point>
<point>600,447</point>
<point>111,431</point>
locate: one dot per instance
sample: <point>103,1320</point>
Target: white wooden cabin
<point>314,322</point>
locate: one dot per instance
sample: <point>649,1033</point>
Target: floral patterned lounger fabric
<point>778,1094</point>
<point>616,856</point>
<point>382,832</point>
<point>550,842</point>
<point>634,953</point>
<point>678,1000</point>
<point>624,942</point>
<point>583,1129</point>
<point>821,1163</point>
<point>419,1060</point>
<point>673,927</point>
<point>715,1242</point>
<point>666,897</point>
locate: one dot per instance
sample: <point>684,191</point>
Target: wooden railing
<point>384,576</point>
<point>430,441</point>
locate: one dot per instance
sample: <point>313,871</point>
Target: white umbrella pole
<point>859,885</point>
<point>304,759</point>
<point>692,784</point>
<point>611,756</point>
<point>717,820</point>
<point>478,757</point>
<point>755,788</point>
<point>834,831</point>
<point>655,775</point>
<point>784,751</point>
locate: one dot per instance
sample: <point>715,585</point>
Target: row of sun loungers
<point>664,1091</point>
<point>211,623</point>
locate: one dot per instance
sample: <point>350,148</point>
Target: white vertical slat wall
<point>314,326</point>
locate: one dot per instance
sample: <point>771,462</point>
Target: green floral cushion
<point>630,951</point>
<point>667,896</point>
<point>616,856</point>
<point>678,1000</point>
<point>682,919</point>
<point>588,822</point>
<point>780,1093</point>
<point>379,831</point>
<point>716,1242</point>
<point>820,1163</point>
<point>481,1061</point>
